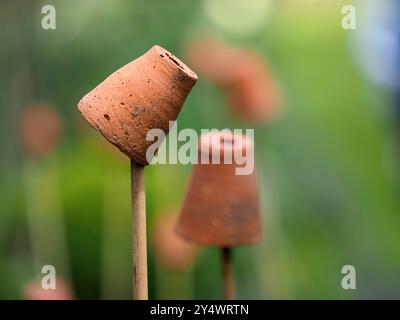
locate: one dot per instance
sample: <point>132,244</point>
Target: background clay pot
<point>146,93</point>
<point>252,92</point>
<point>220,207</point>
<point>212,58</point>
<point>173,252</point>
<point>34,291</point>
<point>40,129</point>
<point>249,86</point>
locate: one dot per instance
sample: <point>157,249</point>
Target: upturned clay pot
<point>221,208</point>
<point>173,252</point>
<point>212,58</point>
<point>40,129</point>
<point>251,91</point>
<point>146,93</point>
<point>34,291</point>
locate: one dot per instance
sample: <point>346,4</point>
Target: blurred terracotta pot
<point>34,291</point>
<point>40,129</point>
<point>170,250</point>
<point>212,58</point>
<point>250,88</point>
<point>221,208</point>
<point>252,93</point>
<point>144,94</point>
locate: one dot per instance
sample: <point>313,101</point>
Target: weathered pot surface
<point>146,93</point>
<point>220,207</point>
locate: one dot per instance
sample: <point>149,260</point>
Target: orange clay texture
<point>146,93</point>
<point>221,208</point>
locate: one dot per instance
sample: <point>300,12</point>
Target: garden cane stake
<point>139,231</point>
<point>145,94</point>
<point>221,207</point>
<point>227,274</point>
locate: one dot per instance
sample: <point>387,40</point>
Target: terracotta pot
<point>252,93</point>
<point>250,88</point>
<point>40,129</point>
<point>221,208</point>
<point>34,291</point>
<point>173,252</point>
<point>212,58</point>
<point>146,93</point>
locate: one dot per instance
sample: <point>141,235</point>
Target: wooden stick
<point>227,274</point>
<point>140,291</point>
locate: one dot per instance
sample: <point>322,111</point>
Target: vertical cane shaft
<point>227,274</point>
<point>140,290</point>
